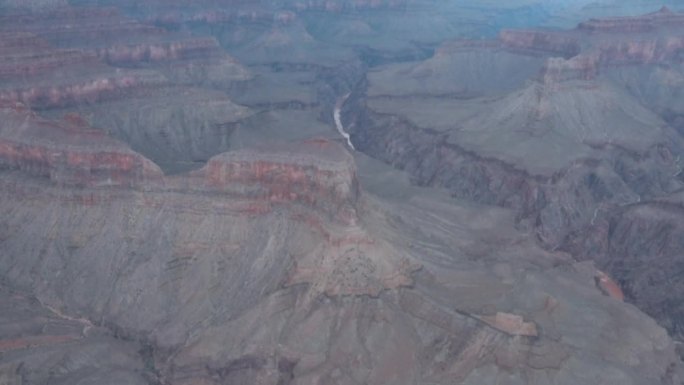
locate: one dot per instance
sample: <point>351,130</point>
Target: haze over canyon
<point>341,192</point>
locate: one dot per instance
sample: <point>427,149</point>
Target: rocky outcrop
<point>157,52</point>
<point>210,300</point>
<point>62,57</point>
<point>125,77</point>
<point>266,263</point>
<point>640,247</point>
<point>34,73</point>
<point>445,137</point>
<point>316,173</point>
<point>609,287</point>
<point>80,91</point>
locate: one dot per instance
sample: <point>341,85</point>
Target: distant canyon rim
<point>341,192</point>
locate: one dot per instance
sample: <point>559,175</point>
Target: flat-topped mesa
<point>69,152</point>
<point>645,23</point>
<point>317,173</point>
<point>540,42</point>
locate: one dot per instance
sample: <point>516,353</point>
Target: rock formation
<point>177,207</point>
<point>68,152</point>
<point>555,145</point>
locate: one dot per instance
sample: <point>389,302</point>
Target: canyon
<point>341,192</point>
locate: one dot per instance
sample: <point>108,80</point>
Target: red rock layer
<point>69,153</point>
<point>319,174</point>
<point>162,51</point>
<point>315,173</point>
<point>79,91</point>
<point>608,286</point>
<point>66,56</point>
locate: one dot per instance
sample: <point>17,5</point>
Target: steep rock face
<point>125,77</point>
<point>268,265</point>
<point>120,41</point>
<point>179,128</point>
<point>242,296</point>
<point>39,75</point>
<point>649,39</point>
<point>640,247</point>
<point>318,173</point>
<point>564,162</point>
<point>69,152</point>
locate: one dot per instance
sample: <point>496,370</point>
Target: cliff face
<point>166,216</point>
<point>557,148</point>
<point>650,39</point>
<point>237,270</point>
<point>123,76</point>
<point>319,173</point>
<point>639,246</point>
<point>316,173</point>
<point>59,58</point>
<point>69,152</point>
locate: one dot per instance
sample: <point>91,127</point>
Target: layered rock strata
<point>564,146</point>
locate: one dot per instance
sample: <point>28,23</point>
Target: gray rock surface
<point>178,207</point>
